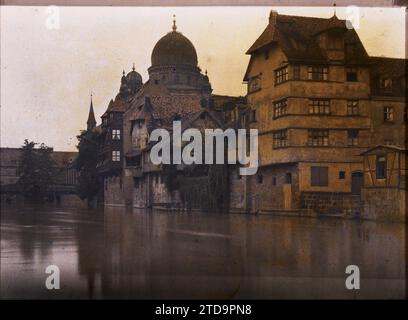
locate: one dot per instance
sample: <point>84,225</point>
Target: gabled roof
<point>120,104</point>
<point>384,146</point>
<point>298,38</point>
<point>298,28</point>
<point>188,120</point>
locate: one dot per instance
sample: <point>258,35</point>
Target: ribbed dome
<point>173,49</point>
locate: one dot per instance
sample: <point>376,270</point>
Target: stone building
<point>176,90</point>
<point>318,101</point>
<point>111,136</point>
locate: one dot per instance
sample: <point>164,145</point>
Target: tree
<point>86,163</point>
<point>35,170</point>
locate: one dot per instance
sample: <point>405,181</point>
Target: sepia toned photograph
<point>229,153</point>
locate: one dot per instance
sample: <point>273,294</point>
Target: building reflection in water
<point>122,253</point>
<point>164,255</point>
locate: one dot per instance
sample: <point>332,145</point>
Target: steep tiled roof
<point>166,108</point>
<point>388,66</point>
<point>297,36</point>
<point>392,68</point>
<point>118,105</point>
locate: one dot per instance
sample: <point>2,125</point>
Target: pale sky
<point>47,75</point>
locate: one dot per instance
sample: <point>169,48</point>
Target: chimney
<point>272,17</point>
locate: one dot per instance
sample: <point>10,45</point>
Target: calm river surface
<point>122,253</point>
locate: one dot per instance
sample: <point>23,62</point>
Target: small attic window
<point>335,42</point>
<point>386,83</point>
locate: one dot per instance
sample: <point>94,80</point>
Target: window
<point>136,183</point>
<point>352,137</point>
<point>281,75</point>
<point>115,156</point>
<point>280,109</point>
<point>274,181</point>
<point>381,167</point>
<point>319,106</point>
<point>405,114</point>
<point>296,72</point>
<point>335,42</point>
<point>351,74</point>
<point>386,84</point>
<point>260,179</point>
<point>342,175</point>
<point>317,73</point>
<point>288,178</point>
<point>319,176</point>
<point>352,108</point>
<point>280,139</point>
<point>318,137</point>
<point>115,134</point>
<point>388,114</point>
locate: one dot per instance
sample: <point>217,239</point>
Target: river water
<point>119,253</point>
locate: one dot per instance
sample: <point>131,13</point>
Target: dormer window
<point>335,42</point>
<point>386,84</point>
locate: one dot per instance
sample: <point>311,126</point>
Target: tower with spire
<point>91,123</point>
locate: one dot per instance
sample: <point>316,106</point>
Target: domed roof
<point>134,77</point>
<point>173,49</point>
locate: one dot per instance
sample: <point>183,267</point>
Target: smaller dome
<point>134,77</point>
<point>134,81</point>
